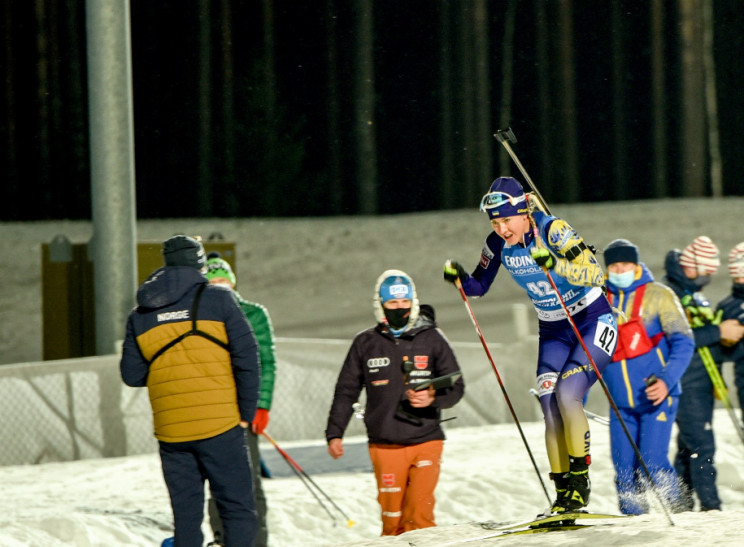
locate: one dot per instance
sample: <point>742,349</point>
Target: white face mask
<point>622,280</point>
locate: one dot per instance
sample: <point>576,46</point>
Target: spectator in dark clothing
<point>732,307</point>
<point>219,272</point>
<point>191,345</point>
<point>403,349</point>
<point>687,272</point>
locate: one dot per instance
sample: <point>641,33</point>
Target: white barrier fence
<point>79,408</point>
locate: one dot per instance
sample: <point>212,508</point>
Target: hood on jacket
<point>167,285</point>
<point>675,274</point>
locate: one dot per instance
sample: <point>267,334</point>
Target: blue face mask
<point>623,280</point>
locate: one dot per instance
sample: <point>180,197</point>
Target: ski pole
<point>589,414</point>
<point>307,485</point>
<point>303,475</point>
<point>720,387</point>
<point>597,418</point>
<point>602,382</point>
<point>505,137</point>
<point>458,284</point>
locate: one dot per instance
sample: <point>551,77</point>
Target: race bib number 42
<point>605,337</point>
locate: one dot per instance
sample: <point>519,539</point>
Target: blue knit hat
<point>506,198</point>
<point>621,250</point>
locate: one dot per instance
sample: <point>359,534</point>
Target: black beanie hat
<point>184,251</point>
<point>620,250</point>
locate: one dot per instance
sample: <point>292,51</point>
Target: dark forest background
<point>329,107</point>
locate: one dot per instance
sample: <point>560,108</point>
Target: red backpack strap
<point>638,300</point>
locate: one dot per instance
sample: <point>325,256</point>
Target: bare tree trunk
<point>228,104</point>
<point>544,103</point>
<point>570,183</point>
<point>507,83</point>
<point>11,147</point>
<point>465,88</point>
<point>619,153</point>
<point>483,140</point>
<point>449,197</point>
<point>693,132</point>
<point>271,195</point>
<point>55,100</point>
<point>74,111</point>
<point>659,178</point>
<point>364,108</point>
<point>335,171</point>
<point>43,100</point>
<point>711,101</point>
<point>204,182</point>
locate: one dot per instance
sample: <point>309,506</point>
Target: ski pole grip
<point>505,135</point>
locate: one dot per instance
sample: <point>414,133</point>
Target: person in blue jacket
<point>528,242</point>
<point>687,273</point>
<point>655,345</point>
<point>732,309</point>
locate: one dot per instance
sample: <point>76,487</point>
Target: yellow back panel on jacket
<point>191,385</point>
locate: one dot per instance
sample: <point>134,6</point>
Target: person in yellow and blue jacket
<point>527,242</point>
<point>191,345</point>
<point>655,345</point>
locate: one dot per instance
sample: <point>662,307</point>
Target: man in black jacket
<point>403,349</point>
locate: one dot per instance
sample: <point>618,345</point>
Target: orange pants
<point>406,478</point>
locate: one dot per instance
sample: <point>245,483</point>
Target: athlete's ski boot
<point>561,481</point>
<point>578,486</point>
<point>561,489</point>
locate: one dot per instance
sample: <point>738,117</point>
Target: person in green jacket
<point>219,272</point>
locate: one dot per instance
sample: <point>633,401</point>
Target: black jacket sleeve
<point>348,387</point>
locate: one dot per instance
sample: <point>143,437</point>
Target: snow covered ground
<point>487,476</point>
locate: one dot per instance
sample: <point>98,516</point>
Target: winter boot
<point>578,486</point>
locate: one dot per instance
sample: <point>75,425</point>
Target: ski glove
<point>453,270</point>
<point>260,422</point>
<point>543,258</point>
